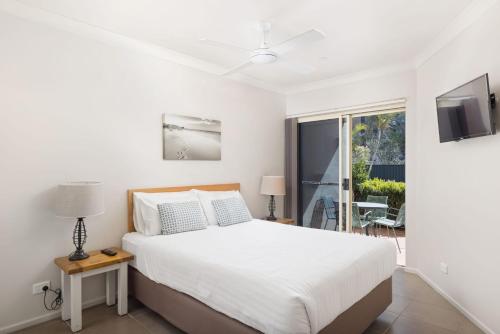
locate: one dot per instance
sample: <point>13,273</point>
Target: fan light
<point>263,56</point>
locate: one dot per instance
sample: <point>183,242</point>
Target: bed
<point>260,276</point>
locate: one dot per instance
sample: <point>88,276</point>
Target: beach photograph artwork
<point>191,138</point>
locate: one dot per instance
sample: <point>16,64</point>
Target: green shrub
<point>359,175</point>
<point>394,190</point>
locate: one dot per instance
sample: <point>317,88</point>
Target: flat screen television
<point>466,111</point>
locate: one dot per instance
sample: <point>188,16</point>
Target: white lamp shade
<point>273,185</point>
<point>80,199</point>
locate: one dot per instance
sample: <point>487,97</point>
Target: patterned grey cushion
<point>229,211</point>
<point>181,217</point>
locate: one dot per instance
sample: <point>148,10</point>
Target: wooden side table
<point>72,273</point>
<point>287,221</point>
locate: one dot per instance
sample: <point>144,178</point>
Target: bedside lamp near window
<point>79,200</point>
<point>273,186</point>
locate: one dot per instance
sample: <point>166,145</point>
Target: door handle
<point>317,183</point>
<point>311,182</point>
<point>345,184</point>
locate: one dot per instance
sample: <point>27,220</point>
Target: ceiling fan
<point>266,54</point>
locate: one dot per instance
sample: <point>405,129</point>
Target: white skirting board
<point>47,316</point>
<point>452,301</point>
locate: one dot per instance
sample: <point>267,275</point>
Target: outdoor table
<point>371,205</point>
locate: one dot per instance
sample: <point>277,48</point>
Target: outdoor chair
<point>399,221</point>
<point>331,210</point>
<point>317,214</point>
<point>359,221</point>
<point>378,213</point>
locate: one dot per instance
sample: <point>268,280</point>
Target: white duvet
<point>273,277</point>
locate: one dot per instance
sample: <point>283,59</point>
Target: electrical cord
<point>56,303</point>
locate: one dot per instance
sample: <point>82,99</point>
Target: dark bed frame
<point>194,317</point>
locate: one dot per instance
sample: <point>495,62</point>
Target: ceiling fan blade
<point>237,68</point>
<point>299,68</point>
<point>300,40</point>
<point>223,45</point>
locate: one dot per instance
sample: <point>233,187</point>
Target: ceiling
<point>360,34</point>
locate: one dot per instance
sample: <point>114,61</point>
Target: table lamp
<point>79,200</point>
<point>273,186</point>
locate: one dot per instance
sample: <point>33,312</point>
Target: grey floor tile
<point>411,326</point>
<point>55,326</point>
<point>134,304</point>
<point>468,327</point>
<point>154,323</point>
<point>115,325</point>
<point>434,315</point>
<point>410,286</point>
<point>382,323</point>
<point>97,314</point>
<point>399,304</point>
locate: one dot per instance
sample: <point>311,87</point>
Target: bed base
<point>194,317</point>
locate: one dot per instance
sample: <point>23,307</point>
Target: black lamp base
<point>78,255</point>
<point>79,238</point>
<point>272,208</point>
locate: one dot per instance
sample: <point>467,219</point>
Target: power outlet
<point>38,287</point>
<point>444,268</point>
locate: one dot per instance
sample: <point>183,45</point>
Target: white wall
<point>76,109</point>
<point>458,202</point>
<point>388,87</point>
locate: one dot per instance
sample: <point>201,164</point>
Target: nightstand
<point>72,273</point>
<point>286,221</point>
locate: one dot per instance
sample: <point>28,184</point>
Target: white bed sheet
<point>273,277</point>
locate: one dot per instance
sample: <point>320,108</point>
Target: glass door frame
<point>345,117</point>
<point>345,165</point>
<point>346,173</point>
<point>340,117</point>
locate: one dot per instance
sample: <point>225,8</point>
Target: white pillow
<point>206,198</point>
<point>146,214</point>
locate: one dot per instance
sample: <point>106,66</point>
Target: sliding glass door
<point>339,154</point>
<point>319,173</point>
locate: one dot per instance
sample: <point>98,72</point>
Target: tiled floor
<point>416,309</point>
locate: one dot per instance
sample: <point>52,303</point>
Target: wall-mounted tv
<point>467,111</point>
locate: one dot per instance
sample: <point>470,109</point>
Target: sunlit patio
<point>384,234</point>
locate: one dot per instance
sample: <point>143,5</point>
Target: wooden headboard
<point>210,187</point>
